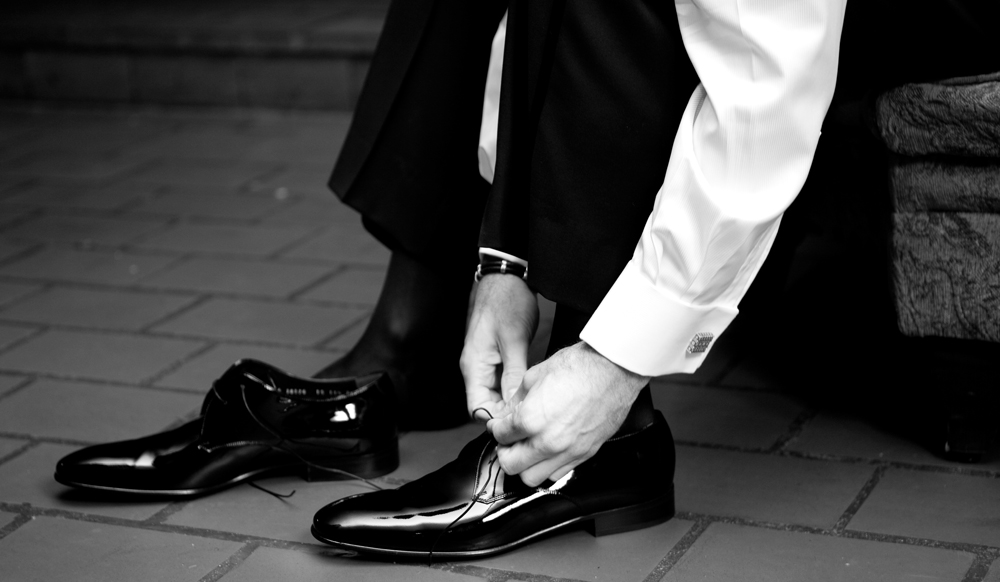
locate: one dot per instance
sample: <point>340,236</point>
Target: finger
<point>514,353</point>
<point>543,469</point>
<point>517,457</point>
<point>509,429</point>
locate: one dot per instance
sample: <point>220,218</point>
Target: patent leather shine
<point>256,421</point>
<point>470,508</point>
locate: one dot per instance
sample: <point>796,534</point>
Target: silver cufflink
<point>699,343</point>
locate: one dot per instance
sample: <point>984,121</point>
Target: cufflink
<point>699,343</point>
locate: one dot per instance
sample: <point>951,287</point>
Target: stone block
<point>102,267</point>
<point>185,79</point>
<point>92,412</point>
<point>313,565</point>
<point>727,417</point>
<point>256,240</point>
<point>296,83</point>
<point>766,487</point>
<point>27,478</point>
<point>95,309</point>
<point>577,555</point>
<point>342,244</point>
<point>937,506</point>
<point>78,77</point>
<point>274,323</point>
<point>731,552</point>
<point>249,278</point>
<point>358,286</point>
<point>56,549</point>
<point>101,356</point>
<point>13,80</point>
<point>200,371</point>
<point>84,230</point>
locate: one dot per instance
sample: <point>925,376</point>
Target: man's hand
<point>570,405</point>
<point>495,356</point>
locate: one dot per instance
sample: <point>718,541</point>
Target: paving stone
<point>6,518</point>
<point>228,239</point>
<point>849,436</point>
<point>321,211</point>
<point>213,172</point>
<point>8,446</point>
<point>85,194</point>
<point>211,202</point>
<point>9,382</point>
<point>27,478</point>
<point>750,373</point>
<point>199,373</point>
<point>728,417</point>
<point>421,452</point>
<point>59,75</point>
<point>95,309</point>
<point>346,339</point>
<point>248,511</point>
<point>83,229</point>
<point>104,138</point>
<point>92,412</point>
<point>580,556</point>
<point>993,575</point>
<point>731,552</point>
<point>323,83</point>
<point>938,506</point>
<point>766,487</point>
<point>77,165</point>
<point>238,277</point>
<point>344,245</point>
<point>259,321</point>
<point>10,334</point>
<point>320,146</point>
<point>314,566</point>
<point>112,268</point>
<point>188,80</point>
<point>301,177</point>
<point>350,286</point>
<point>55,549</point>
<point>103,356</point>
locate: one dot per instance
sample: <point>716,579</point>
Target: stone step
<point>294,54</point>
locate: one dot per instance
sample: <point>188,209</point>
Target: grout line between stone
<point>343,330</point>
<point>11,527</point>
<point>677,552</point>
<point>859,499</point>
<point>24,383</point>
<point>19,451</point>
<point>298,293</point>
<point>161,516</point>
<point>495,574</point>
<point>794,429</point>
<point>231,563</point>
<point>980,566</point>
<point>928,468</point>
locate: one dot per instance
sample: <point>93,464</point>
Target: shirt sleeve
<point>741,154</point>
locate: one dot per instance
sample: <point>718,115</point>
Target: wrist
<point>633,379</point>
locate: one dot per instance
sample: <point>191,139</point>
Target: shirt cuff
<point>502,255</point>
<point>650,333</point>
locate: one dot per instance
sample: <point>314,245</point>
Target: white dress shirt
<point>741,154</point>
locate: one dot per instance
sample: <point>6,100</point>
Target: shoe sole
<point>621,520</point>
<point>366,467</point>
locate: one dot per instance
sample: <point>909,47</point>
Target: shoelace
<point>283,439</point>
<point>472,503</point>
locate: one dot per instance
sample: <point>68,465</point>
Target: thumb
<point>515,364</point>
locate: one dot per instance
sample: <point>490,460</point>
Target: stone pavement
<point>144,250</point>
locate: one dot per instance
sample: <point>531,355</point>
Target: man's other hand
<point>570,404</point>
<point>495,357</point>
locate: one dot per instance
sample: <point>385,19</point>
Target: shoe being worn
<point>470,508</point>
<point>256,421</point>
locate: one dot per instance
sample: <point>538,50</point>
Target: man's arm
<point>741,155</point>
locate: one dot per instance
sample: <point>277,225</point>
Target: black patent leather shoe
<point>257,421</point>
<point>470,509</point>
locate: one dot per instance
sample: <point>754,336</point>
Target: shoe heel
<point>633,517</point>
<point>367,466</point>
